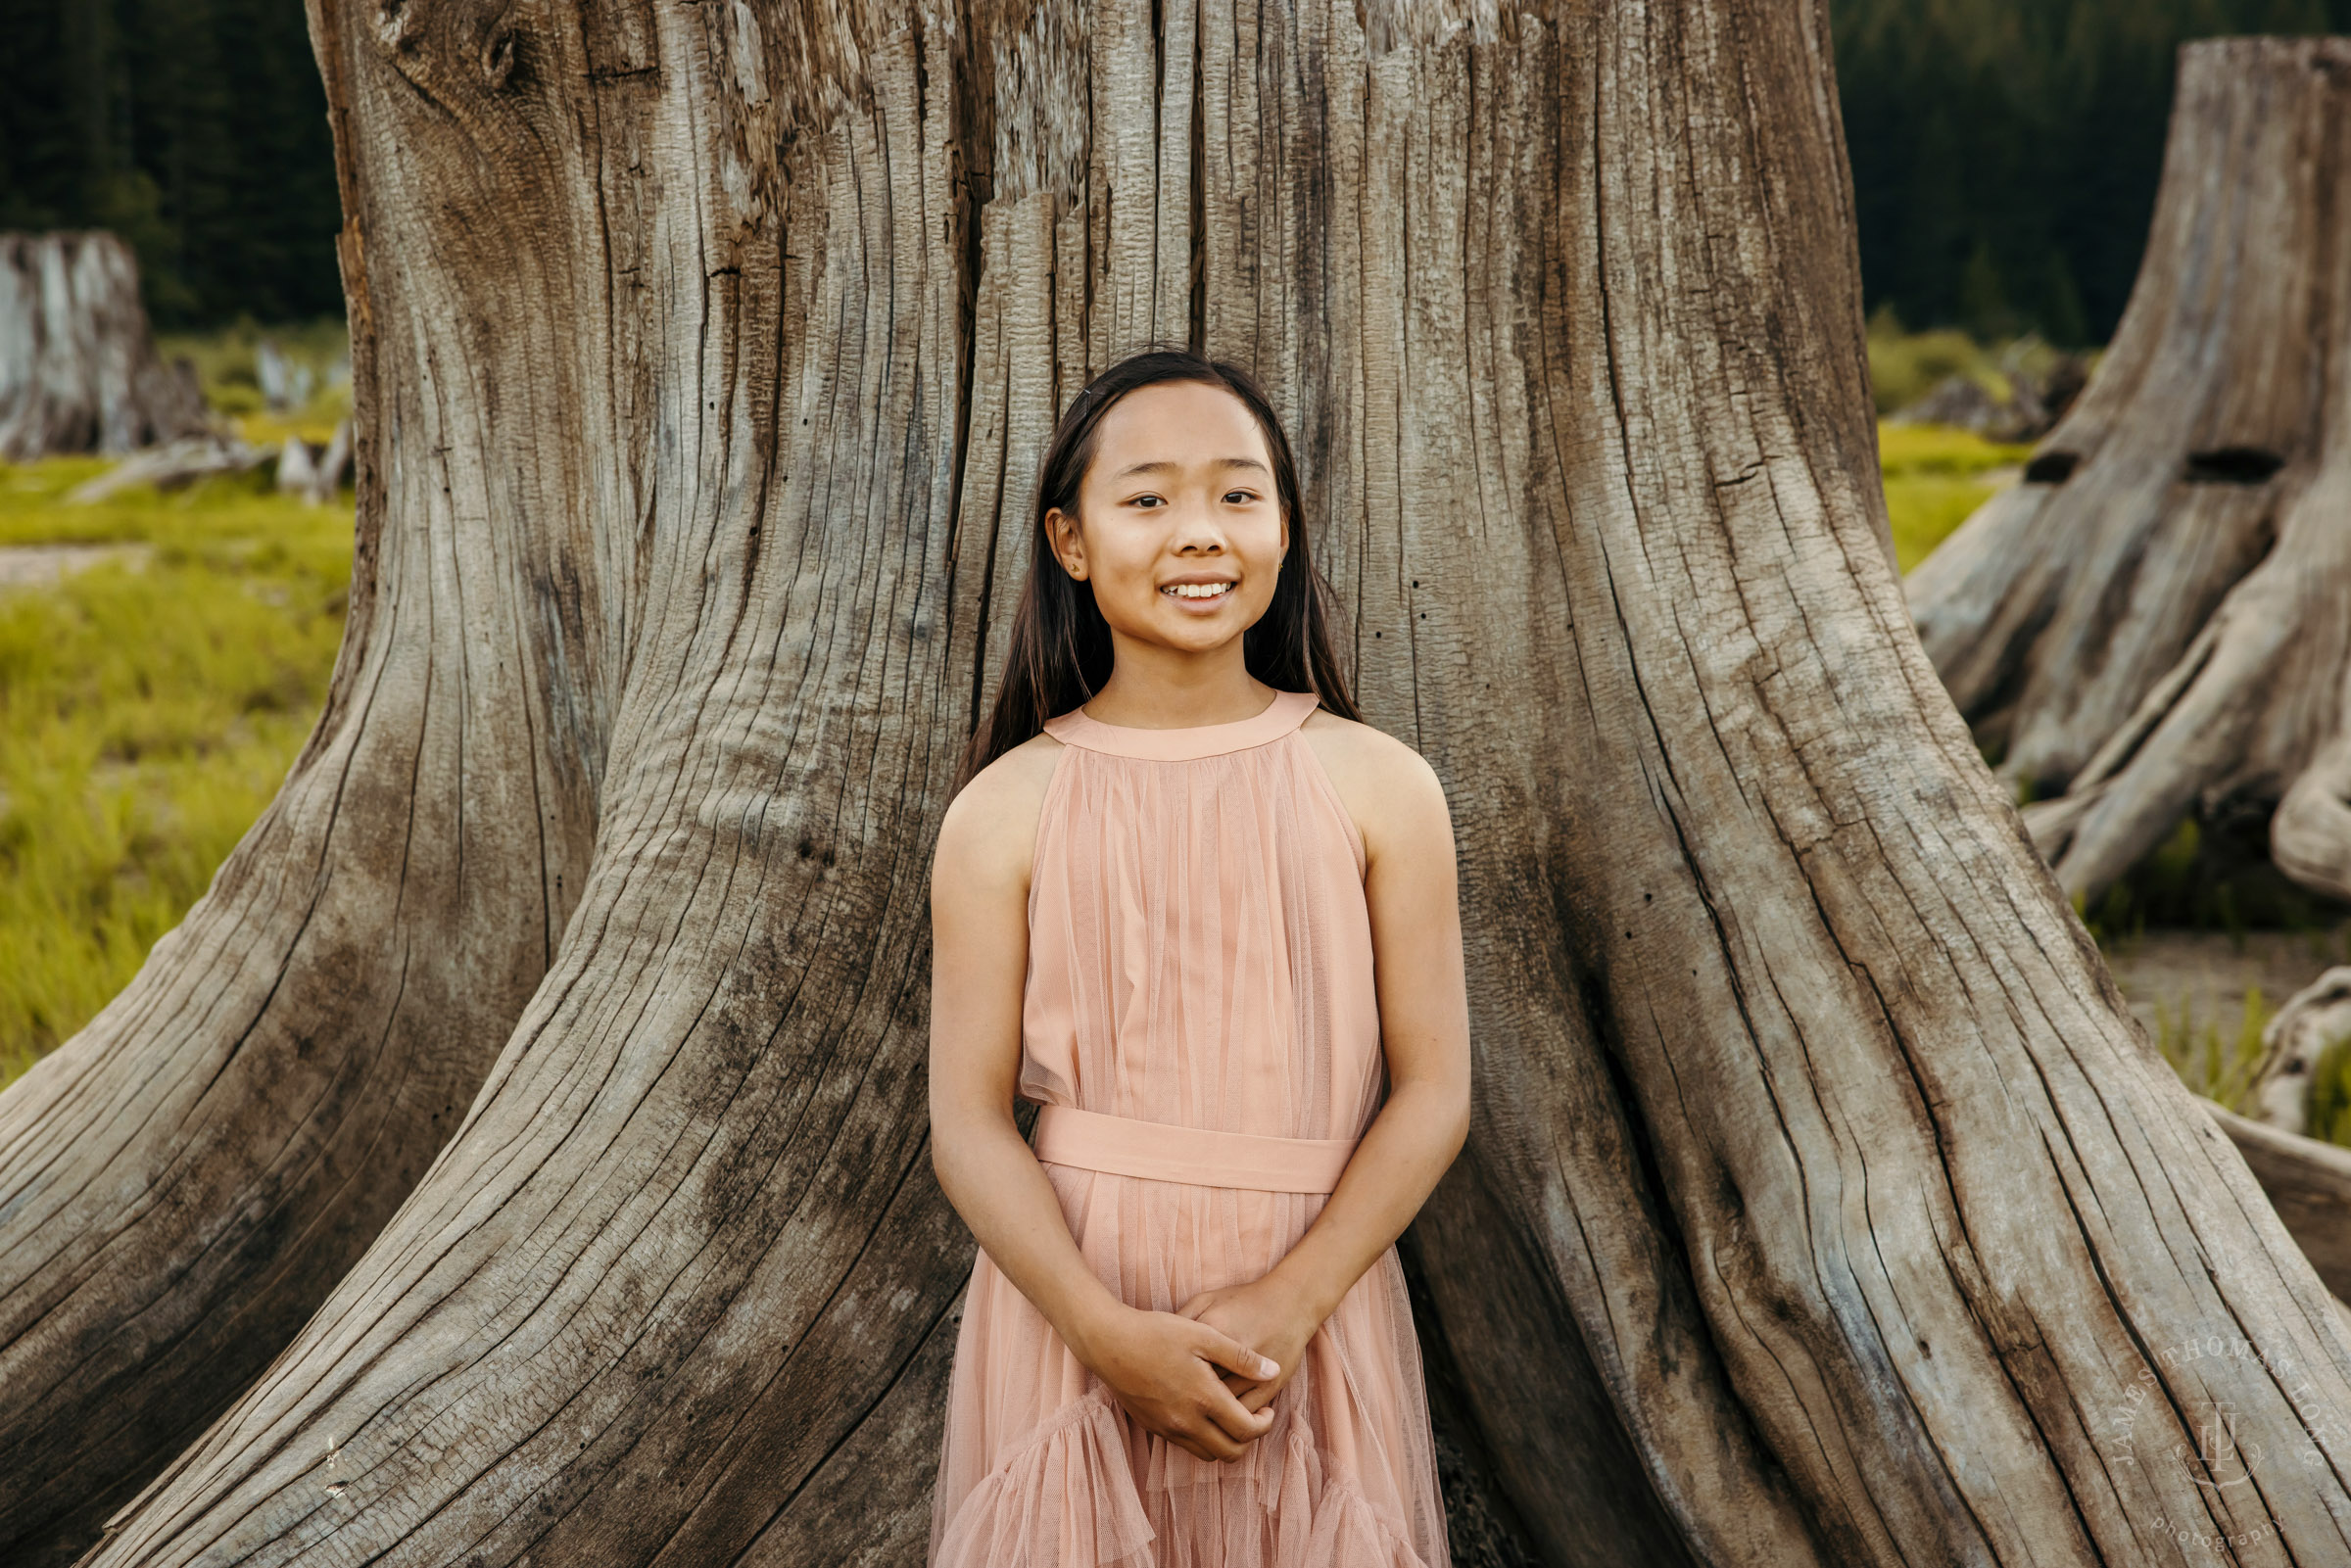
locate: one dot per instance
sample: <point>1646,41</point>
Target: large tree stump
<point>1824,1205</point>
<point>78,372</point>
<point>2158,619</point>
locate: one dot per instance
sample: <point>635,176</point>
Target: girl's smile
<point>1200,595</point>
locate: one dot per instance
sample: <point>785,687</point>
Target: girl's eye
<point>1239,497</point>
<point>1147,501</point>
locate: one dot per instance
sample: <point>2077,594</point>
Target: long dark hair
<point>1060,654</point>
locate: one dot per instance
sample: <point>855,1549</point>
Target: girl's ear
<point>1068,546</point>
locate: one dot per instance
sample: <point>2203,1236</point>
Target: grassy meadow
<point>152,697</point>
<point>1935,478</point>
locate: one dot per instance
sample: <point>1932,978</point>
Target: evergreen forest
<point>196,129</point>
<point>2004,151</point>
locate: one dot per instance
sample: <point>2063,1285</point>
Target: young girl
<point>1203,918</point>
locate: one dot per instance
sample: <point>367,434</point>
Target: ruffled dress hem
<point>1066,1497</point>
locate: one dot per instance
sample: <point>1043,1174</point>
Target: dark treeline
<point>2006,152</point>
<point>194,128</point>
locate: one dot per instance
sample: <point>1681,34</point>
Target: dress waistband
<point>1157,1151</point>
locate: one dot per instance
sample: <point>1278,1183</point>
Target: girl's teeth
<point>1199,590</point>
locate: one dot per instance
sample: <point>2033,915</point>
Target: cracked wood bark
<point>2153,621</point>
<point>1823,1206</point>
<point>78,372</point>
<point>183,1182</point>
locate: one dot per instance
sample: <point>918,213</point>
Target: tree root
<point>2308,1182</point>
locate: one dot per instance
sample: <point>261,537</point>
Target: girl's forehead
<point>1186,423</point>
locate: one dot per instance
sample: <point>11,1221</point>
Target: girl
<point>1203,918</point>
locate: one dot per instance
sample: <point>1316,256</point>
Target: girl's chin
<point>1188,634</point>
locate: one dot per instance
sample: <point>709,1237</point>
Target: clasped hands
<point>1204,1375</point>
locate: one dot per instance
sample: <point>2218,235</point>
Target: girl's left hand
<point>1266,1317</point>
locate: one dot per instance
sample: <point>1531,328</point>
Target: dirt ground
<point>2209,974</point>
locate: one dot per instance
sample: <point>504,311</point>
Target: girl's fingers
<point>1203,1440</point>
<point>1231,1354</point>
<point>1244,1421</point>
<point>1238,1421</point>
<point>1215,1445</point>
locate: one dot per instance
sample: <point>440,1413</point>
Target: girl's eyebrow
<point>1169,467</point>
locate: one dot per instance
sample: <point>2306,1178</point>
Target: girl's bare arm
<point>1163,1367</point>
<point>1410,885</point>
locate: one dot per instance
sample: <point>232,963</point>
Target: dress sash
<point>1157,1151</point>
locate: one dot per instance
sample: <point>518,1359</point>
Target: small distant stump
<point>2312,1019</point>
<point>314,476</point>
<point>78,371</point>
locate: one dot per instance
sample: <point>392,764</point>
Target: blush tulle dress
<point>1201,1032</point>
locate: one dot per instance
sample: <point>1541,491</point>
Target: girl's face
<point>1183,536</point>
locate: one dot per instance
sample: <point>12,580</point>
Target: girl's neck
<point>1152,702</point>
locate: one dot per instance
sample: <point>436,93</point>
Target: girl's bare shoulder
<point>1394,795</point>
<point>988,833</point>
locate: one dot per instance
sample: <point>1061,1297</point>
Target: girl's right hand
<point>1164,1369</point>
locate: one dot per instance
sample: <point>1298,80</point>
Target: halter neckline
<point>1287,710</point>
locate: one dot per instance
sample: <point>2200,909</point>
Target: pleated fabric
<point>1200,955</point>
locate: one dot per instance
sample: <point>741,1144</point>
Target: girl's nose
<point>1198,528</point>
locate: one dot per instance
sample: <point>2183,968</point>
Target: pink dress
<point>1201,1031</point>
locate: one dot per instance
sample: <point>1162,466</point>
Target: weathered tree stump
<point>314,476</point>
<point>2158,619</point>
<point>297,469</point>
<point>284,383</point>
<point>521,1146</point>
<point>78,372</point>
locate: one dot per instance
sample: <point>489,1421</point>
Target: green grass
<point>1905,366</point>
<point>2219,1066</point>
<point>1935,479</point>
<point>228,365</point>
<point>2330,1102</point>
<point>2210,878</point>
<point>149,708</point>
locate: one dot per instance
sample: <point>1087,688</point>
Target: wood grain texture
<point>183,1182</point>
<point>2153,622</point>
<point>1823,1204</point>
